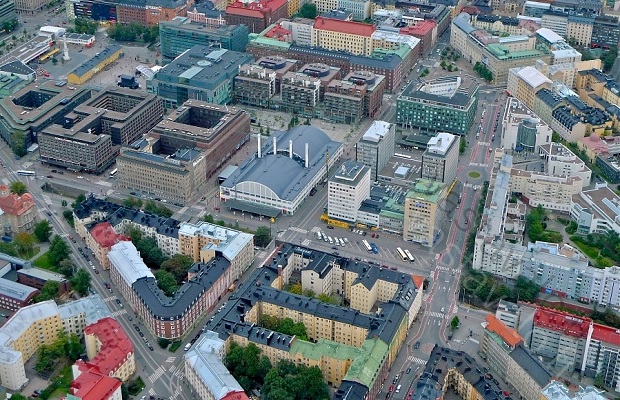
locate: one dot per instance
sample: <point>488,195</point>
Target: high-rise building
<point>425,211</point>
<point>441,157</point>
<point>346,191</point>
<point>376,147</point>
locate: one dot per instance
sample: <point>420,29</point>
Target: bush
<point>174,346</point>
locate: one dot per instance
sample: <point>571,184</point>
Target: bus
<point>113,172</point>
<point>49,54</point>
<point>401,253</point>
<point>368,248</point>
<point>25,173</point>
<point>409,256</point>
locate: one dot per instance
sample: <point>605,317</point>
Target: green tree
<point>296,288</point>
<point>163,342</point>
<point>49,291</point>
<point>8,249</point>
<point>132,202</point>
<point>247,365</point>
<point>43,230</point>
<point>66,267</point>
<point>125,392</point>
<point>78,200</point>
<point>325,298</point>
<point>24,243</point>
<point>134,233</point>
<point>262,236</point>
<point>18,144</point>
<point>291,382</point>
<point>308,10</point>
<point>462,145</point>
<point>208,218</point>
<point>18,188</point>
<point>68,215</point>
<point>151,254</point>
<point>59,250</point>
<point>525,290</point>
<point>455,323</point>
<point>18,396</point>
<point>178,265</point>
<point>80,282</point>
<point>166,282</point>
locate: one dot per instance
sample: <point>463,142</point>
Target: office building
<point>331,34</point>
<point>181,34</point>
<point>522,130</point>
<point>217,131</point>
<point>301,93</point>
<point>559,160</point>
<point>596,210</point>
<point>580,29</point>
<point>375,147</point>
<point>200,73</point>
<point>255,85</point>
<point>17,213</point>
<point>358,95</point>
<point>441,157</point>
<point>8,10</point>
<point>176,178</point>
<point>446,104</point>
<point>535,9</point>
<point>425,211</point>
<point>257,16</point>
<point>128,11</point>
<point>498,24</point>
<point>346,190</point>
<point>280,176</point>
<point>558,390</point>
<point>525,82</point>
<point>14,295</point>
<point>553,192</point>
<point>40,324</point>
<point>610,166</point>
<point>605,32</point>
<point>100,239</point>
<point>497,343</point>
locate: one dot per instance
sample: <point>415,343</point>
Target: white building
<point>346,191</point>
<point>557,390</point>
<point>560,161</point>
<point>302,30</point>
<point>376,146</point>
<point>441,157</point>
<point>522,130</point>
<point>126,267</point>
<point>596,210</point>
<point>550,191</point>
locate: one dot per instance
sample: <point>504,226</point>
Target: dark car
<point>151,347</point>
<point>80,249</point>
<point>50,177</point>
<point>409,370</point>
<point>417,345</point>
<point>97,271</point>
<point>141,334</point>
<point>330,227</point>
<point>137,328</point>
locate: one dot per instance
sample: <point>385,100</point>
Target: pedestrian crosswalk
<point>175,394</point>
<point>446,269</point>
<point>305,242</point>
<point>172,368</point>
<point>119,312</point>
<point>415,360</point>
<point>170,359</point>
<point>296,229</point>
<point>111,298</point>
<point>435,314</point>
<point>157,374</point>
<point>152,392</point>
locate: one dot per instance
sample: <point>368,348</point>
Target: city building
<point>210,14</point>
<point>280,176</point>
<point>40,324</point>
<point>15,67</point>
<point>344,102</point>
<point>596,210</point>
<point>553,192</point>
<point>301,30</point>
<point>86,138</point>
<point>204,241</point>
<point>497,343</point>
<point>100,239</point>
<point>441,157</point>
<point>128,11</point>
<point>376,146</point>
<point>217,131</point>
<point>301,93</point>
<point>563,162</point>
<point>255,85</point>
<point>371,90</point>
<point>206,372</point>
<point>91,67</point>
<point>181,34</point>
<point>522,130</point>
<point>346,190</point>
<point>177,177</point>
<point>90,384</point>
<point>425,211</point>
<point>558,390</point>
<point>333,34</point>
<point>200,73</point>
<point>425,30</point>
<point>17,213</point>
<point>525,82</point>
<point>258,15</point>
<point>35,107</point>
<point>605,32</point>
<point>580,30</point>
<point>38,277</point>
<point>14,295</point>
<point>498,24</point>
<point>446,104</point>
<point>609,165</point>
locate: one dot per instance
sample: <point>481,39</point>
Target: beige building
<point>525,82</point>
<point>560,161</point>
<point>551,192</point>
<point>425,211</point>
<point>100,239</point>
<point>580,30</point>
<point>441,157</point>
<point>30,7</point>
<point>354,37</point>
<point>17,213</point>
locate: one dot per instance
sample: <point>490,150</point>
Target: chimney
<point>275,147</point>
<point>290,149</point>
<point>307,157</point>
<point>260,152</point>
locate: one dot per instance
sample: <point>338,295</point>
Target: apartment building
<point>374,85</point>
<point>596,210</point>
<point>525,82</point>
<point>497,343</point>
<point>440,159</point>
<point>40,324</point>
<point>580,29</point>
<point>561,161</point>
<point>181,34</point>
<point>100,239</point>
<point>376,146</point>
<point>558,390</point>
<point>17,213</point>
<point>200,73</point>
<point>605,31</point>
<point>425,211</point>
<point>301,93</point>
<point>89,383</point>
<point>346,190</point>
<point>495,23</point>
<point>205,241</point>
<point>567,124</point>
<point>14,295</point>
<point>255,85</point>
<point>344,102</point>
<point>522,130</point>
<point>518,317</point>
<point>177,177</point>
<point>257,16</point>
<point>332,34</point>
<point>446,104</point>
<point>553,192</point>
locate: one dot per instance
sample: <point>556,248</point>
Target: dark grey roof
<point>576,102</point>
<point>154,3</point>
<point>494,18</point>
<point>462,97</point>
<point>161,306</point>
<point>87,65</point>
<point>548,97</point>
<point>390,61</point>
<point>16,67</point>
<point>349,390</point>
<point>532,365</point>
<point>427,388</point>
<point>286,177</point>
<point>388,323</point>
<point>565,117</point>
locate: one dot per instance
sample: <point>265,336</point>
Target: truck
<point>128,81</point>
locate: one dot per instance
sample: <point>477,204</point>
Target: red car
<point>391,388</point>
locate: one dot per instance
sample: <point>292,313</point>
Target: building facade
<point>346,190</point>
<point>441,157</point>
<point>17,213</point>
<point>375,147</point>
<point>425,211</point>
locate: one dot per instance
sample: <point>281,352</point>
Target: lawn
<point>29,254</point>
<point>174,346</point>
<point>593,253</point>
<point>43,261</point>
<point>474,174</point>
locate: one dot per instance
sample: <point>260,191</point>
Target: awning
<point>252,208</point>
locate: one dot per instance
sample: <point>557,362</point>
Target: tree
<point>18,188</point>
<point>49,291</point>
<point>178,265</point>
<point>208,218</point>
<point>59,250</point>
<point>18,396</point>
<point>247,365</point>
<point>166,282</point>
<point>68,215</point>
<point>43,230</point>
<point>262,236</point>
<point>151,254</point>
<point>525,290</point>
<point>296,288</point>
<point>294,382</point>
<point>66,267</point>
<point>78,200</point>
<point>455,323</point>
<point>24,242</point>
<point>80,282</point>
<point>308,10</point>
<point>163,342</point>
<point>8,249</point>
<point>134,233</point>
<point>462,145</point>
<point>132,202</point>
<point>325,298</point>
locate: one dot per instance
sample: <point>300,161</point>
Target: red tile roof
<point>235,396</point>
<point>508,335</point>
<point>115,345</point>
<point>418,281</point>
<point>349,27</point>
<point>279,33</point>
<point>255,9</point>
<point>606,334</point>
<point>421,28</point>
<point>15,205</point>
<point>105,235</point>
<point>92,385</point>
<point>562,322</point>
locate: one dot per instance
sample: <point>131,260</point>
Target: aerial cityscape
<point>309,200</point>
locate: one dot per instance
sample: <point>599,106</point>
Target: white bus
<point>409,256</point>
<point>368,248</point>
<point>401,253</point>
<point>25,173</point>
<point>113,172</point>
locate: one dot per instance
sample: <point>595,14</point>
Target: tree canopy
<point>294,382</point>
<point>166,282</point>
<point>150,253</point>
<point>286,326</point>
<point>43,230</point>
<point>247,365</point>
<point>59,250</point>
<point>308,10</point>
<point>80,282</point>
<point>24,242</point>
<point>178,265</point>
<point>18,188</point>
<point>262,236</point>
<point>49,291</point>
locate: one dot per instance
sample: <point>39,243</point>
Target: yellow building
<point>525,82</point>
<point>580,30</point>
<point>293,7</point>
<point>90,68</point>
<point>332,34</point>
